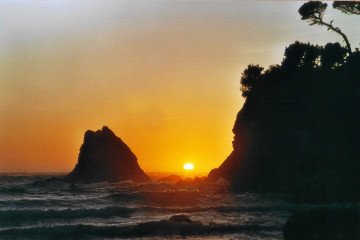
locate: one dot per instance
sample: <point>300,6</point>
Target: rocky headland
<point>292,135</point>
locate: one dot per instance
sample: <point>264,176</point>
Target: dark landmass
<point>105,157</point>
<point>298,131</point>
<point>323,223</point>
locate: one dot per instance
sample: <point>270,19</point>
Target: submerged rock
<point>52,181</point>
<point>189,182</point>
<point>171,179</point>
<point>105,157</point>
<point>181,218</point>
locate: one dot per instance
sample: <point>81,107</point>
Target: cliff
<point>105,157</point>
<point>298,129</point>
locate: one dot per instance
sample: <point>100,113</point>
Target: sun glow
<point>188,166</point>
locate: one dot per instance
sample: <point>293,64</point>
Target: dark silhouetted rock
<point>49,182</point>
<point>292,135</point>
<point>189,182</point>
<point>171,178</point>
<point>213,175</point>
<point>105,157</point>
<point>323,224</point>
<point>181,218</point>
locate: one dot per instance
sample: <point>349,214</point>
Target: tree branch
<point>337,30</point>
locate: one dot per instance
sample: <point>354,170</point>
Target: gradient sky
<point>164,76</point>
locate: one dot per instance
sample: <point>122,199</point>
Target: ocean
<point>36,207</point>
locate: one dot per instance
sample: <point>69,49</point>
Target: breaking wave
<point>147,229</point>
<point>27,216</point>
<point>39,207</point>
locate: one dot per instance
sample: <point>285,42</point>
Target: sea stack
<point>105,157</point>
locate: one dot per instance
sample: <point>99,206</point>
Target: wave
<point>49,200</point>
<point>146,229</point>
<point>220,209</point>
<point>33,203</point>
<point>13,190</point>
<point>14,217</point>
<point>173,198</point>
<point>26,217</point>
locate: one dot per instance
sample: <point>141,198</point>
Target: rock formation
<point>105,157</point>
<point>171,179</point>
<point>292,135</point>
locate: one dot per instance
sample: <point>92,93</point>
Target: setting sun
<point>188,166</point>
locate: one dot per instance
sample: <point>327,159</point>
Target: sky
<point>163,75</point>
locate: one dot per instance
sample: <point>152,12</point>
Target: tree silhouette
<point>250,77</point>
<point>301,55</point>
<point>313,13</point>
<point>333,55</point>
<point>298,129</point>
<point>347,7</point>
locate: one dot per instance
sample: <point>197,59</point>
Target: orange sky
<point>164,76</point>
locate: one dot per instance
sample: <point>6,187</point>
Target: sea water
<point>36,207</point>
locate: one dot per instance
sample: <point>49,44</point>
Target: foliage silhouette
<point>250,77</point>
<point>313,12</point>
<point>350,7</point>
<point>298,129</point>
